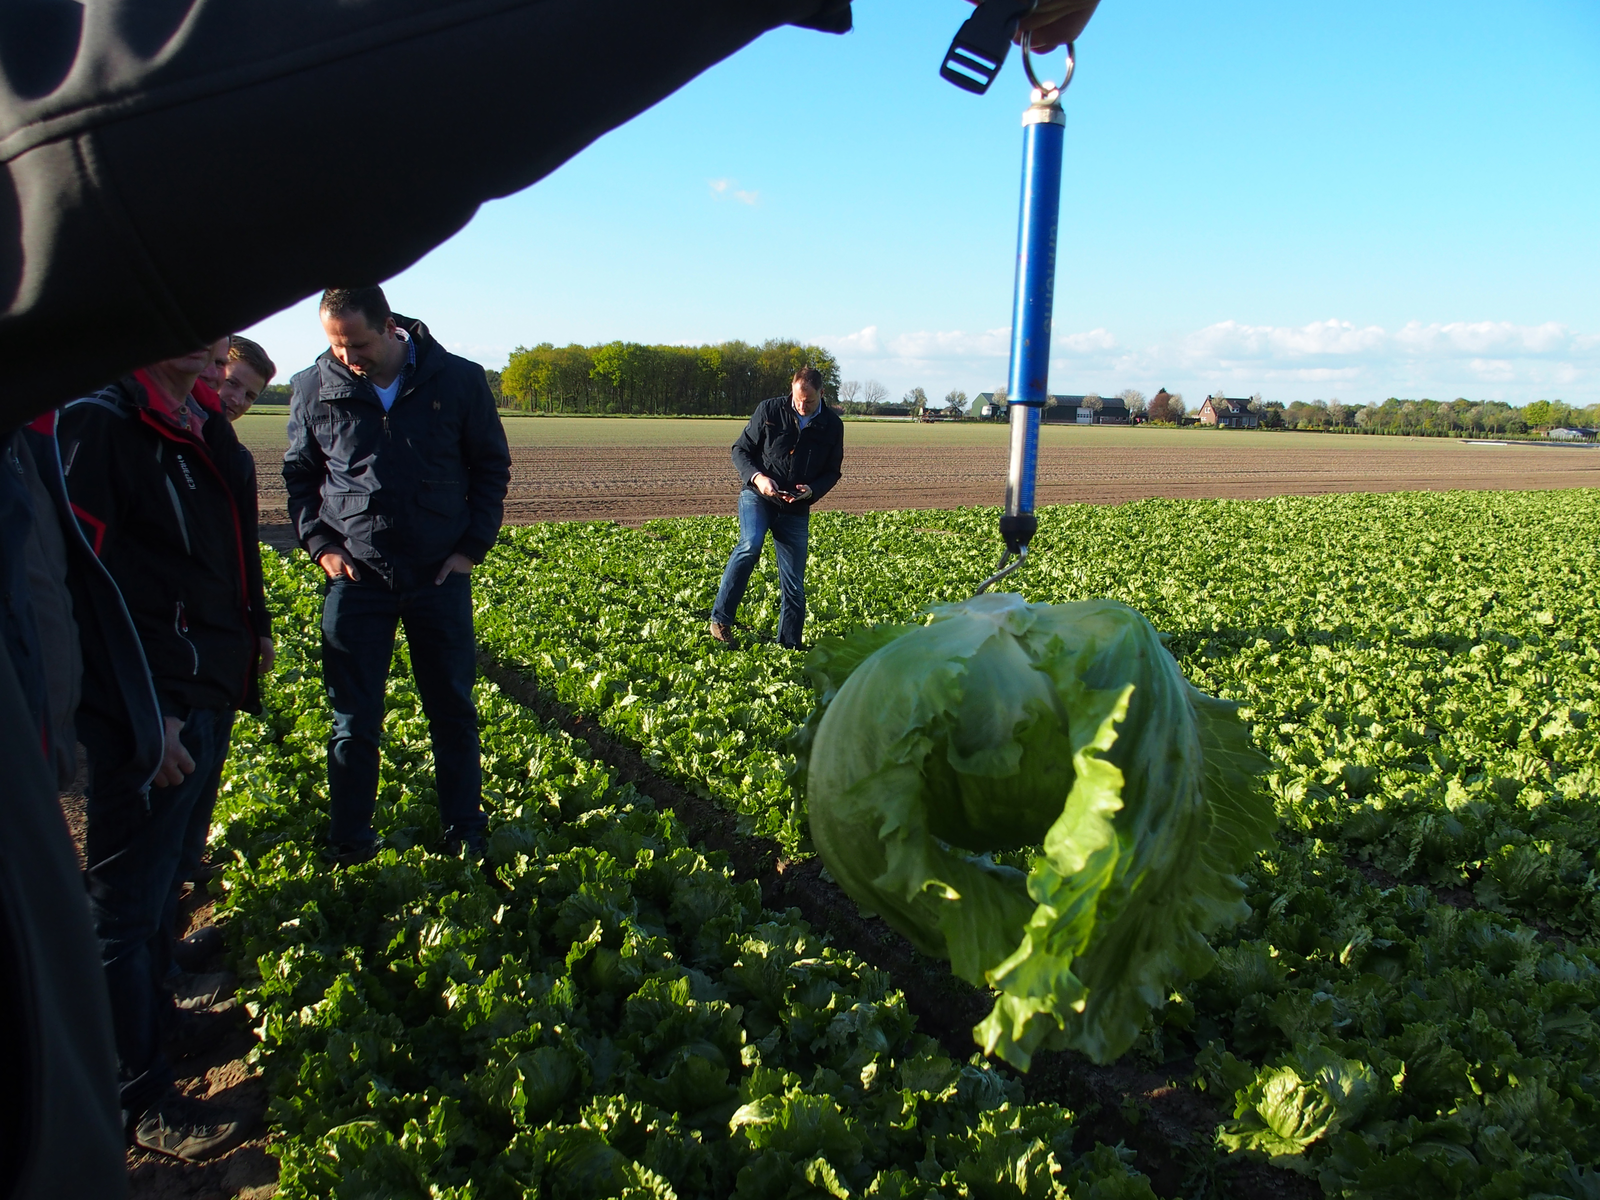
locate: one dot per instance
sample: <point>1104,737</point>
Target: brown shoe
<point>721,633</point>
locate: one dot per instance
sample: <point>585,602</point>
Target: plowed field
<point>631,470</point>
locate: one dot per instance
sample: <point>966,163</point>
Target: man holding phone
<point>789,457</point>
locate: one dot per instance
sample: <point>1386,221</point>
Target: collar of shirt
<point>186,414</point>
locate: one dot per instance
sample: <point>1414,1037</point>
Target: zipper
<point>180,626</point>
<point>238,542</point>
<point>122,604</point>
<point>177,508</point>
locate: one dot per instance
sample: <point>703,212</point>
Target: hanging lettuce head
<point>1064,729</point>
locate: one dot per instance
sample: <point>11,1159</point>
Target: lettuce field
<point>610,1007</point>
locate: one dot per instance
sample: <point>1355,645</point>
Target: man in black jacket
<point>151,476</point>
<point>789,457</point>
<point>396,470</point>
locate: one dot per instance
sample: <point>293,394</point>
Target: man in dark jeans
<point>396,471</point>
<point>151,475</point>
<point>789,457</point>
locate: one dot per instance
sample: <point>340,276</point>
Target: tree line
<point>725,379</point>
<point>1426,418</point>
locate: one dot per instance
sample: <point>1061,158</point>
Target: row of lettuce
<point>1413,1005</point>
<point>603,1011</point>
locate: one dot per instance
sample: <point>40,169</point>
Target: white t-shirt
<point>386,395</point>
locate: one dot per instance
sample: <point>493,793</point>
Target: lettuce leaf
<point>1064,728</point>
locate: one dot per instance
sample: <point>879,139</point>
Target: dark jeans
<point>790,531</point>
<point>358,627</point>
<point>199,831</point>
<point>133,879</point>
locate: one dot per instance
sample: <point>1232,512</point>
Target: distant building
<point>1061,410</point>
<point>1568,433</point>
<point>1071,410</point>
<point>1227,413</point>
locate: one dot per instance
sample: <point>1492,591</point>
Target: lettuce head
<point>1065,731</point>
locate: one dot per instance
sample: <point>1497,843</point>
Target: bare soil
<point>637,483</point>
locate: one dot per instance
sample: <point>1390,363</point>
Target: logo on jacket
<point>184,467</point>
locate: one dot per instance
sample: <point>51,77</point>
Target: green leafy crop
<point>1002,725</point>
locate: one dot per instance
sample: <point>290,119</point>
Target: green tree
<point>729,378</point>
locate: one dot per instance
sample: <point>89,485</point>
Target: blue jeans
<point>358,627</point>
<point>133,879</point>
<point>790,532</point>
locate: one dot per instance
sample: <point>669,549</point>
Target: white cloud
<point>862,341</point>
<point>925,346</point>
<point>722,189</point>
<point>1481,359</point>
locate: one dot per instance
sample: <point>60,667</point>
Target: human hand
<point>764,485</point>
<point>269,654</point>
<point>799,492</point>
<point>458,564</point>
<point>1056,22</point>
<point>175,760</point>
<point>335,562</point>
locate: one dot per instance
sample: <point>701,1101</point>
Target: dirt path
<point>634,483</point>
<point>223,1074</point>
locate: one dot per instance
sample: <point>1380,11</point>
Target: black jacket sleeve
<point>479,99</point>
<point>747,449</point>
<point>488,462</point>
<point>250,527</point>
<point>304,469</point>
<point>823,483</point>
<point>53,988</point>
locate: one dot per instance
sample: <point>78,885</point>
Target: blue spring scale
<point>974,59</point>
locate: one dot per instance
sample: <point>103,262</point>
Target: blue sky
<point>1356,200</point>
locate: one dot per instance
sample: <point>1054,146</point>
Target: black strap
<point>981,44</point>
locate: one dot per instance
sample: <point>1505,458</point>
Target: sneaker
<point>186,1129</point>
<point>722,633</point>
<point>349,854</point>
<point>200,947</point>
<point>194,1031</point>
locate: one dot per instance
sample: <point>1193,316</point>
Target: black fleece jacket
<point>160,508</point>
<point>472,99</point>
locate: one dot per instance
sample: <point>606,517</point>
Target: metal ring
<point>1027,65</point>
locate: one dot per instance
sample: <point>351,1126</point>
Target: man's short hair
<point>242,349</point>
<point>370,302</point>
<point>809,376</point>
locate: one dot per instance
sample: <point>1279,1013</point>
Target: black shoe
<point>200,947</point>
<point>186,1129</point>
<point>349,854</point>
<point>470,845</point>
<point>194,1031</point>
